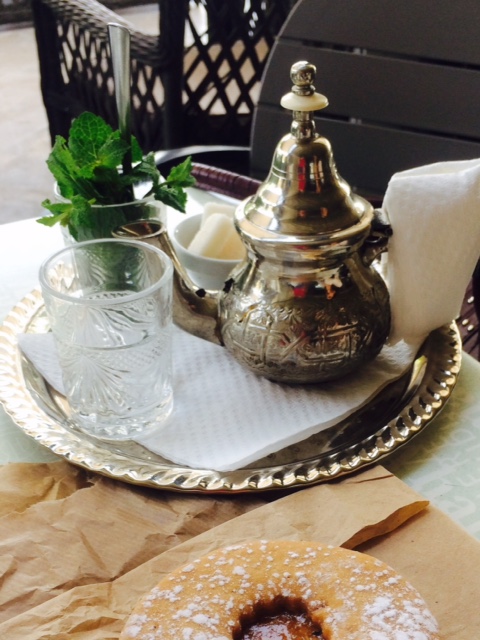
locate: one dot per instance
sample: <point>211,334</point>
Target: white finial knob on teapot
<point>303,96</point>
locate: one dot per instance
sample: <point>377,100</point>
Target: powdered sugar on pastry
<point>346,595</point>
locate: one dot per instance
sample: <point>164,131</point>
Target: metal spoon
<point>120,46</point>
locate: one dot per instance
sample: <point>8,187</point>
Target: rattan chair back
<point>197,82</point>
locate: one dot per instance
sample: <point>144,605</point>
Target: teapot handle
<point>377,241</point>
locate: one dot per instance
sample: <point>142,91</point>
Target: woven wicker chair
<point>195,83</point>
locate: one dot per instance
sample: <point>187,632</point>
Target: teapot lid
<point>303,194</point>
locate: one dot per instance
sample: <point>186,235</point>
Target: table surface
<point>442,463</point>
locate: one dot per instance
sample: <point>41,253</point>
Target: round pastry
<point>282,589</point>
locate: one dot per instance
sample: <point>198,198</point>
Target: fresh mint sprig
<point>87,172</point>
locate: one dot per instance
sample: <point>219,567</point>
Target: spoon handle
<point>120,46</point>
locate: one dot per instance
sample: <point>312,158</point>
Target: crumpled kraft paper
<point>108,544</point>
<point>95,535</point>
<point>443,562</point>
<point>25,484</point>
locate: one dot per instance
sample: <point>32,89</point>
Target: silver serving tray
<point>391,419</point>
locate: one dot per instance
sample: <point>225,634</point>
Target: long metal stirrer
<point>120,46</point>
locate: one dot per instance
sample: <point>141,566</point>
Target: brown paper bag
<point>443,562</point>
<point>24,484</point>
<point>347,512</point>
<point>95,534</point>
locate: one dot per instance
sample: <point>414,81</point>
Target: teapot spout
<point>194,310</point>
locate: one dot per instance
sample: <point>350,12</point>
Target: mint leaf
<point>171,192</point>
<point>64,168</point>
<point>87,135</point>
<point>60,211</point>
<point>172,196</point>
<point>180,175</point>
<point>87,222</point>
<point>87,169</point>
<point>109,155</point>
<point>137,153</point>
<point>146,169</point>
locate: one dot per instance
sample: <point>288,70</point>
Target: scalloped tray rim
<point>432,394</point>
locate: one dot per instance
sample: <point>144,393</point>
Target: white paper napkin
<point>225,416</point>
<point>435,216</point>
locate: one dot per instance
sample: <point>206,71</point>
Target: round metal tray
<point>394,416</point>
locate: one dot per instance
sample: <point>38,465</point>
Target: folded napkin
<point>435,216</point>
<point>224,416</point>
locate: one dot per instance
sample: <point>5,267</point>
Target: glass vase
<point>111,216</point>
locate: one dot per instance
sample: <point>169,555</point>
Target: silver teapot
<point>308,303</point>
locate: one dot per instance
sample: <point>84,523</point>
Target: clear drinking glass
<point>109,303</point>
<point>107,217</point>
